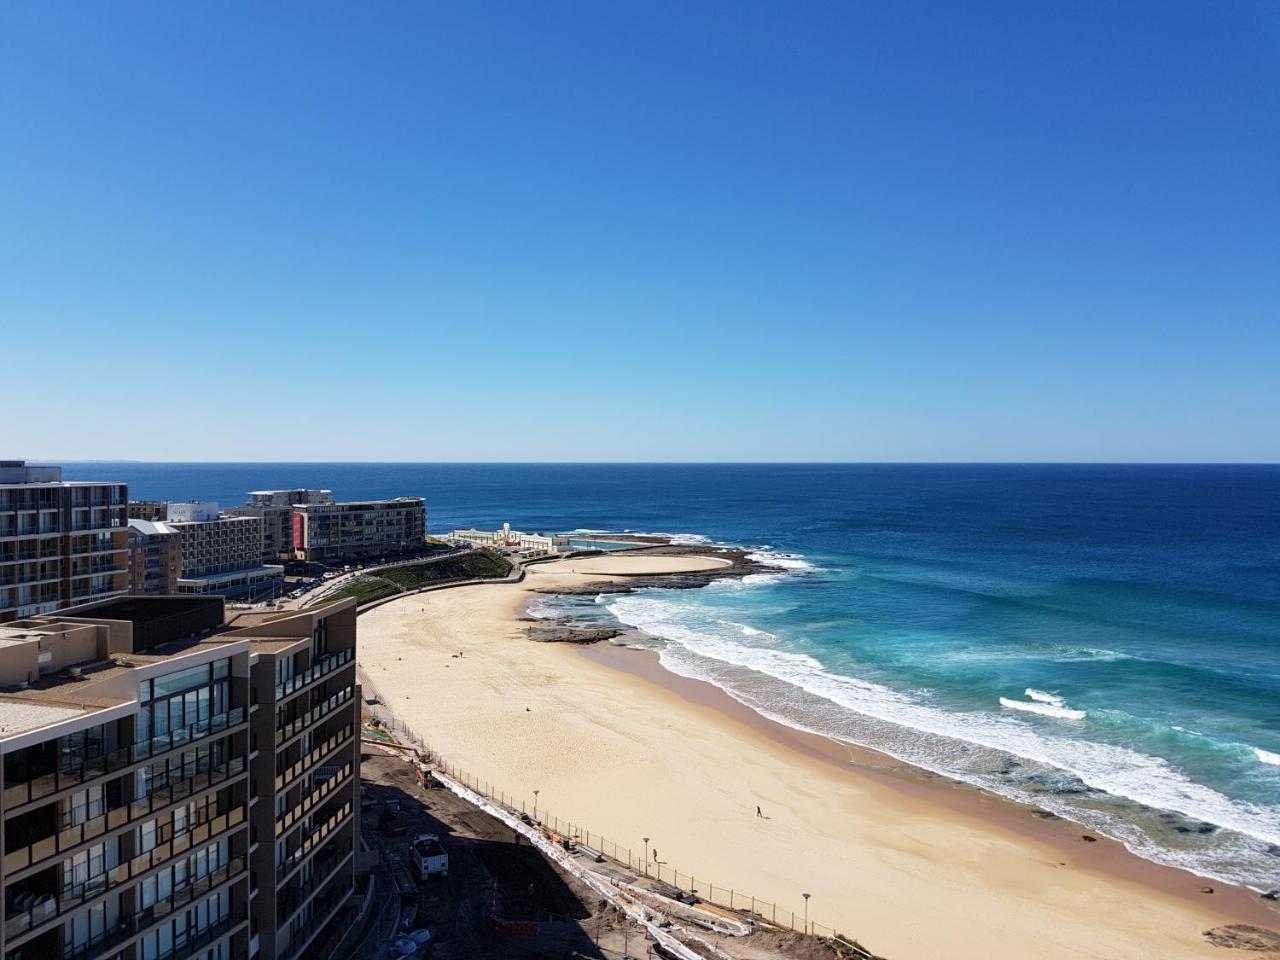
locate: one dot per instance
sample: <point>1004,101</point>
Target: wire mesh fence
<point>643,862</point>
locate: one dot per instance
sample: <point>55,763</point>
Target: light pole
<point>535,804</point>
<point>806,912</point>
<point>646,856</point>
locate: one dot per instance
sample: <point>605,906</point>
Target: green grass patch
<point>363,591</point>
<point>484,565</point>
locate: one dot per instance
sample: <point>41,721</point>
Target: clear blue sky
<point>634,231</point>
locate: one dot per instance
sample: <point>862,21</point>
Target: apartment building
<point>288,498</point>
<point>155,558</point>
<point>275,509</point>
<point>60,542</point>
<point>367,528</point>
<point>174,786</point>
<point>152,510</point>
<point>307,770</point>
<point>277,529</point>
<point>221,555</point>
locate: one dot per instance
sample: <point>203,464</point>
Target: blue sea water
<point>1100,640</point>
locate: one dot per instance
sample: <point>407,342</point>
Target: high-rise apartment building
<point>220,554</point>
<point>60,542</point>
<point>277,529</point>
<point>368,528</point>
<point>155,558</point>
<point>174,786</point>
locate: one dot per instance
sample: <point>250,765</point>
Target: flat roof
<point>138,610</point>
<point>150,527</point>
<point>18,714</point>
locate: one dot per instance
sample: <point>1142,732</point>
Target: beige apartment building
<point>174,786</point>
<point>220,554</point>
<point>155,558</point>
<point>60,542</point>
<point>358,529</point>
<point>277,529</point>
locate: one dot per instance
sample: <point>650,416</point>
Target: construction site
<point>457,876</point>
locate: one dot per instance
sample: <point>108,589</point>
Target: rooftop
<point>20,714</point>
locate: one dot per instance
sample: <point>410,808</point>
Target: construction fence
<point>643,861</point>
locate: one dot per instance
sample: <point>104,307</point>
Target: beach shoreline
<point>928,846</point>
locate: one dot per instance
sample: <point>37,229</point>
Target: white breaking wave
<point>1119,771</point>
<point>1267,757</point>
<point>682,539</point>
<point>1044,709</point>
<point>584,530</point>
<point>784,561</point>
<point>1043,697</point>
<point>748,631</point>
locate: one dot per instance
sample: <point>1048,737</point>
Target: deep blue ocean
<point>1103,641</point>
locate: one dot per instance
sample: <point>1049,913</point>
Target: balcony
<point>321,752</point>
<point>97,568</point>
<point>52,906</point>
<point>96,548</point>
<point>69,839</point>
<point>193,891</point>
<point>190,944</point>
<point>322,890</point>
<point>321,668</point>
<point>52,783</point>
<point>317,713</point>
<point>27,914</point>
<point>334,778</point>
<point>21,578</point>
<point>313,840</point>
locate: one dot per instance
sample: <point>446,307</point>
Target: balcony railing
<point>91,549</point>
<point>67,840</point>
<point>321,891</point>
<point>189,944</point>
<point>51,906</point>
<point>315,714</point>
<point>51,783</point>
<point>296,770</point>
<point>320,668</point>
<point>314,839</point>
<point>190,892</point>
<point>332,781</point>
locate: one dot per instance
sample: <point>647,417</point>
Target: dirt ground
<point>501,898</point>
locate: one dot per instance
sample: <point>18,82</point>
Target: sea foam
<point>1267,757</point>
<point>1045,709</point>
<point>1052,698</point>
<point>783,561</point>
<point>696,648</point>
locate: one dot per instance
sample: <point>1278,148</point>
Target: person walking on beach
<point>759,812</point>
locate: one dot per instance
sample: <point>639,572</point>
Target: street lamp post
<point>806,911</point>
<point>535,804</point>
<point>646,856</point>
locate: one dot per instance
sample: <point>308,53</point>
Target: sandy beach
<point>912,865</point>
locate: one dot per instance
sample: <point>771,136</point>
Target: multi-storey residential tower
<point>155,558</point>
<point>367,528</point>
<point>60,543</point>
<point>173,786</point>
<point>221,555</point>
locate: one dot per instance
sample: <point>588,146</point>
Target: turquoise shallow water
<point>1101,640</point>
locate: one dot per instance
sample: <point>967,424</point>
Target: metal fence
<point>643,862</point>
